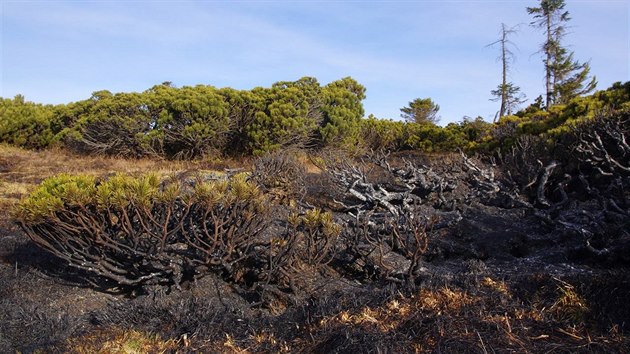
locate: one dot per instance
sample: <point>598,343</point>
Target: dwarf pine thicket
<point>191,122</point>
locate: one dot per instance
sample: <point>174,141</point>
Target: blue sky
<point>62,51</point>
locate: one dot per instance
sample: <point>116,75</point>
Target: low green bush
<point>27,124</point>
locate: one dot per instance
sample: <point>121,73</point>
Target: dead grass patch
<point>41,164</point>
<point>119,341</point>
<point>21,170</point>
<point>498,286</point>
<point>447,319</point>
<point>570,304</point>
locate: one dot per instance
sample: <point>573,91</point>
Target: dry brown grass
<point>21,170</point>
<point>487,319</point>
<point>119,341</point>
<point>569,304</point>
<point>37,165</point>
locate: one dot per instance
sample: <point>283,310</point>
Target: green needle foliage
<point>289,117</point>
<point>27,124</point>
<point>565,77</point>
<point>342,110</point>
<point>191,122</point>
<point>188,122</point>
<point>421,111</point>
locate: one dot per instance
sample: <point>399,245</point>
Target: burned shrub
<point>389,229</point>
<point>521,162</point>
<point>281,174</point>
<point>318,233</point>
<point>366,247</point>
<point>389,247</point>
<point>603,144</point>
<point>293,256</point>
<point>224,225</point>
<point>410,238</point>
<point>144,231</point>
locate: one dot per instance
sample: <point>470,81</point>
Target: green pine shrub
<point>27,124</point>
<point>111,124</point>
<point>289,117</point>
<point>189,122</point>
<point>342,113</point>
<point>384,135</point>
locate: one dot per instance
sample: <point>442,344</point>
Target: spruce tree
<point>565,77</point>
<point>421,110</point>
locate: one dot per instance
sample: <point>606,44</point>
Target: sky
<point>62,51</point>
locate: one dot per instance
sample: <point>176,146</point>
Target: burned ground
<point>499,273</point>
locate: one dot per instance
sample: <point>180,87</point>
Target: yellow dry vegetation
<point>23,170</point>
<point>120,341</point>
<point>498,286</point>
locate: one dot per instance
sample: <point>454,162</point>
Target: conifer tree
<point>565,77</point>
<point>421,110</point>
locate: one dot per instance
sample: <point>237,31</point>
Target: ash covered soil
<point>504,270</point>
